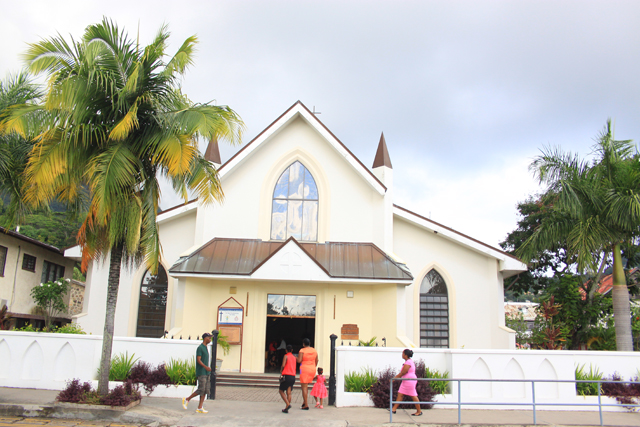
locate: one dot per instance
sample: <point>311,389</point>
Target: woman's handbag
<point>281,379</point>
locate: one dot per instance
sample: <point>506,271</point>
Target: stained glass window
<point>434,312</point>
<point>294,211</point>
<point>153,304</point>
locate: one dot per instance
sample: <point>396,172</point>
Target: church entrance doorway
<point>290,319</point>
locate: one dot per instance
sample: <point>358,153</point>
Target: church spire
<point>382,155</point>
<point>213,152</point>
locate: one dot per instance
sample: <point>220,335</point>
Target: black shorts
<point>289,381</point>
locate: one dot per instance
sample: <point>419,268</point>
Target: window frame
<point>46,270</point>
<point>27,261</point>
<point>289,205</point>
<point>3,259</point>
<point>433,308</point>
<point>143,328</point>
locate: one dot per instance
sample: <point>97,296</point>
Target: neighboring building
<point>525,309</point>
<point>25,263</point>
<point>309,243</point>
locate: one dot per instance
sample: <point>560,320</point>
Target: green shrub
<point>440,387</point>
<point>360,382</point>
<point>182,372</point>
<point>70,328</point>
<point>587,389</point>
<point>369,343</point>
<point>27,328</point>
<point>121,365</point>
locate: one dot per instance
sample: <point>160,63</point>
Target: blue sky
<point>466,92</point>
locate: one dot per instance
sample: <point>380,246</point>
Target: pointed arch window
<point>152,306</point>
<point>434,311</point>
<point>294,211</point>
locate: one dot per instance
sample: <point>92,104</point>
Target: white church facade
<point>307,243</point>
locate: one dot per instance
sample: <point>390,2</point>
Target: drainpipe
<point>15,279</point>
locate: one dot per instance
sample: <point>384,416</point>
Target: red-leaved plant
<point>624,393</point>
<point>150,377</point>
<point>379,391</point>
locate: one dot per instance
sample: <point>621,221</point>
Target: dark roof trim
<point>32,241</point>
<point>178,206</point>
<point>457,232</point>
<point>321,124</point>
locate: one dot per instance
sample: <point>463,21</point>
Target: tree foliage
<point>548,261</point>
<point>596,211</point>
<point>15,147</point>
<point>49,297</point>
<point>113,120</point>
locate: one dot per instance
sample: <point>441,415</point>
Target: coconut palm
<point>596,210</point>
<point>115,120</point>
<point>14,149</point>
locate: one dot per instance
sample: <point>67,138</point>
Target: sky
<point>466,92</point>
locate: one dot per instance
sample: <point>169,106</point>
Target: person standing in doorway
<point>308,359</point>
<point>203,373</point>
<point>287,378</point>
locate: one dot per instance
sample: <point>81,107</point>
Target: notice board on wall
<point>230,320</point>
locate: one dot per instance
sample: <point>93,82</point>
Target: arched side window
<point>153,304</point>
<point>294,212</point>
<point>434,312</point>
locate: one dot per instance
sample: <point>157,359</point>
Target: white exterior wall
<point>176,236</point>
<point>473,283</point>
<point>347,206</point>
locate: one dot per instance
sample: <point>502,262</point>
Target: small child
<point>319,391</point>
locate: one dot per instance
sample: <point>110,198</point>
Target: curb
<point>91,413</point>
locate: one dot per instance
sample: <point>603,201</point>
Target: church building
<point>307,243</point>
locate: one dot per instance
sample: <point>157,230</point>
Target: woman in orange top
<point>288,378</point>
<point>308,359</point>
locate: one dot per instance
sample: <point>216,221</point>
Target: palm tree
<point>115,119</point>
<point>596,210</point>
<point>14,149</point>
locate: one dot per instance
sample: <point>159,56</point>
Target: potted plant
<point>224,344</point>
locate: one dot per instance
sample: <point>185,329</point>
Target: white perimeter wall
<point>493,364</point>
<point>47,361</point>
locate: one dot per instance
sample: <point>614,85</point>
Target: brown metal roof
<point>338,260</point>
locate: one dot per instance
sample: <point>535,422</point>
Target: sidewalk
<point>168,412</point>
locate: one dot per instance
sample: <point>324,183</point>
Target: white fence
<point>490,364</point>
<point>47,361</point>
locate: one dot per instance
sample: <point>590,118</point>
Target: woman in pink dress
<point>408,387</point>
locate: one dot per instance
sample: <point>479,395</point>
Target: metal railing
<point>533,402</point>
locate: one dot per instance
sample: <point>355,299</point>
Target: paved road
<point>238,406</point>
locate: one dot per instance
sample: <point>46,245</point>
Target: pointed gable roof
<point>213,152</point>
<point>382,155</point>
<point>300,110</point>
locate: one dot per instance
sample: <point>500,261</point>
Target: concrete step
<point>250,380</point>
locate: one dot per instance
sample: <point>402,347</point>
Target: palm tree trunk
<point>112,297</point>
<point>621,309</point>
